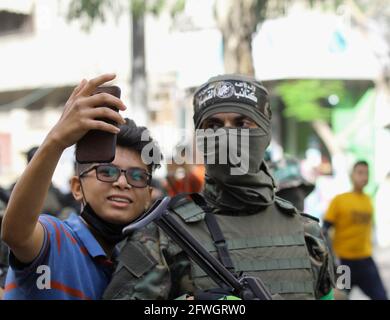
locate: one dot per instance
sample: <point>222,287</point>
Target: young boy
<point>53,259</point>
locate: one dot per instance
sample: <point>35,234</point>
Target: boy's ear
<point>75,187</point>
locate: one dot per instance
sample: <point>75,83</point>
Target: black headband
<point>234,92</point>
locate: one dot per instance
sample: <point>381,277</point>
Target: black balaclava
<point>232,186</point>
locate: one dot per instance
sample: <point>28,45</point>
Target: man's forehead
<point>227,115</point>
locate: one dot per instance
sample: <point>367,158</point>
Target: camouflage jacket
<point>154,267</point>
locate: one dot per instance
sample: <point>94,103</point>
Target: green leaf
<point>304,99</point>
<point>178,7</point>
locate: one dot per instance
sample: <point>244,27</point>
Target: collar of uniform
<point>84,234</point>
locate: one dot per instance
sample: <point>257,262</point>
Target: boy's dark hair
<point>359,163</point>
<point>30,153</point>
<point>135,138</point>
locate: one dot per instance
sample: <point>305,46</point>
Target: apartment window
<point>12,22</point>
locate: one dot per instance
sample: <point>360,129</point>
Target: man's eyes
<point>244,123</point>
<point>213,125</point>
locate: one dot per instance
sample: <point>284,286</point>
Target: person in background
<point>4,195</point>
<point>291,185</point>
<point>184,178</point>
<point>53,204</point>
<point>350,215</point>
<point>158,190</point>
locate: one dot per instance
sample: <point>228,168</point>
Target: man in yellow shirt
<point>350,215</point>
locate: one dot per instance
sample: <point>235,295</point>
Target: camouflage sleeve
<point>141,272</point>
<point>321,258</point>
<point>150,267</point>
<point>179,266</point>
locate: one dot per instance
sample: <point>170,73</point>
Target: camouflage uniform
<point>142,263</point>
<point>169,273</point>
<point>265,236</point>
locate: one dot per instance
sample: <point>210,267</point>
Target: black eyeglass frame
<point>95,167</point>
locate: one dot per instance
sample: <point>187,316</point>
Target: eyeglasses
<point>136,177</point>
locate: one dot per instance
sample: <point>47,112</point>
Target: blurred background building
<point>326,64</point>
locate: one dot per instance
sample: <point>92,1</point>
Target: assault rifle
<point>244,287</point>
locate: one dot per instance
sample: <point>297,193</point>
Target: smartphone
<point>97,145</point>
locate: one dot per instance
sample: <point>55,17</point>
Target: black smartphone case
<point>96,145</point>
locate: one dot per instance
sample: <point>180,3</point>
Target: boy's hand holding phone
<point>98,145</point>
<point>84,112</point>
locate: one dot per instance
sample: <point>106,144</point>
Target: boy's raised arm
<point>20,228</point>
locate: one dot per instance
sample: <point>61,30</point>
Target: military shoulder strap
<point>285,206</point>
<point>309,216</point>
<point>189,211</point>
<point>186,208</point>
<point>219,241</point>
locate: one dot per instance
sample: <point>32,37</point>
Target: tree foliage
<point>238,20</point>
<point>307,100</point>
<point>90,11</point>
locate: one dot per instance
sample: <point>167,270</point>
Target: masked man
<point>243,224</point>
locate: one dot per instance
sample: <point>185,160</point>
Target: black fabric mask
<point>110,232</point>
<point>239,180</point>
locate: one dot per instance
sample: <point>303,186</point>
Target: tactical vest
<point>270,245</point>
